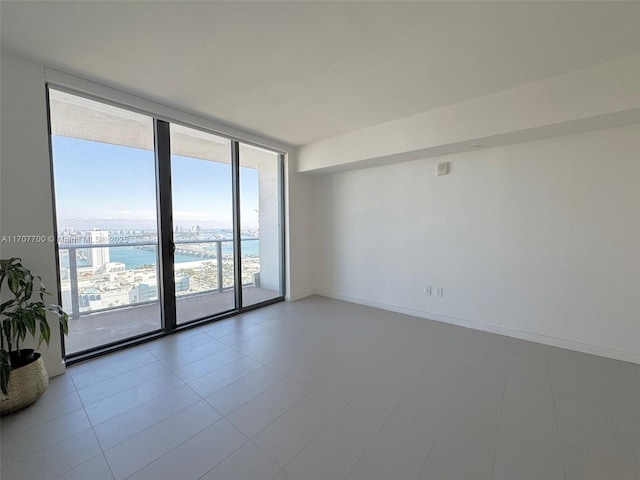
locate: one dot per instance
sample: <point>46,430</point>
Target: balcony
<point>109,301</point>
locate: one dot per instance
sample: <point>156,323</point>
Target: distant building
<point>90,300</point>
<point>65,297</point>
<point>143,292</point>
<point>98,256</point>
<point>182,284</point>
<point>64,273</point>
<point>111,267</point>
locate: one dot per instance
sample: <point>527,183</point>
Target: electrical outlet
<point>427,289</point>
<point>439,292</point>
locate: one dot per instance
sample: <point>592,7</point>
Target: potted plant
<point>23,377</point>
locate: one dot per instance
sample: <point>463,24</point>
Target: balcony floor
<point>95,329</point>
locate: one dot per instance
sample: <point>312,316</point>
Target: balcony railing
<point>182,247</point>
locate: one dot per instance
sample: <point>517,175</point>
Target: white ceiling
<point>299,72</point>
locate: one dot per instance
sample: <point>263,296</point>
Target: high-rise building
<point>100,255</point>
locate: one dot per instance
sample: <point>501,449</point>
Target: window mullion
<point>165,224</point>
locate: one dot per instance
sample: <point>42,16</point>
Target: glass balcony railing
<point>99,277</point>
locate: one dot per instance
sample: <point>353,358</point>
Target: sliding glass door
<point>201,184</point>
<point>159,224</point>
<point>105,196</point>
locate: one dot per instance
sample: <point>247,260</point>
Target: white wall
<point>602,96</point>
<point>540,240</point>
<point>300,276</point>
<point>25,184</point>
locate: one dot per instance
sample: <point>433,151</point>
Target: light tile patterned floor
<point>322,389</point>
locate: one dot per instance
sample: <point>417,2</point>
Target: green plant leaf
<point>13,281</point>
<point>7,327</point>
<point>5,371</point>
<point>6,305</point>
<point>21,315</point>
<point>63,317</point>
<point>20,326</point>
<point>29,320</point>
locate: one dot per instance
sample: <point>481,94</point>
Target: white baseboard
<point>599,350</point>
<point>299,296</point>
<point>57,369</point>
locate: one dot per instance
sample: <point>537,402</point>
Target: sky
<point>111,184</point>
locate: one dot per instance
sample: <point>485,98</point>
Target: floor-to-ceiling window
<point>260,224</point>
<point>202,200</point>
<point>105,197</point>
<point>159,225</point>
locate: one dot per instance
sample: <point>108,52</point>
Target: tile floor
<point>322,389</point>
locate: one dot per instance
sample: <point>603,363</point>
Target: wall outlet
<point>439,292</point>
<point>427,289</point>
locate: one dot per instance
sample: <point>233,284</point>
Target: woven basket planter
<point>26,385</point>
